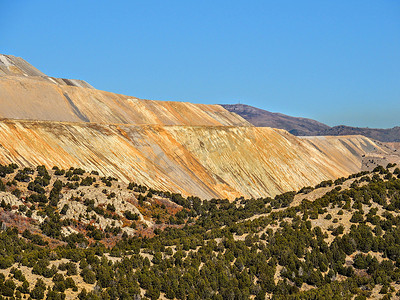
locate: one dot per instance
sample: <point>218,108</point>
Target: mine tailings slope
<point>193,149</point>
<point>207,161</point>
<point>36,99</point>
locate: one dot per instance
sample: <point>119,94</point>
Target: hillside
<point>16,66</point>
<point>383,135</point>
<point>106,196</point>
<point>29,98</point>
<point>205,161</point>
<point>262,118</point>
<point>193,149</point>
<point>27,93</point>
<point>307,127</point>
<point>68,234</point>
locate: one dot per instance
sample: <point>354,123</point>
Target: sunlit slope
<point>194,160</point>
<point>34,98</point>
<point>194,149</point>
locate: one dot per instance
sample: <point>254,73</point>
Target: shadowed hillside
<point>262,118</point>
<point>307,127</point>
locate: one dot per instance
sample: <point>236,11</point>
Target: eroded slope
<point>223,162</point>
<point>34,99</point>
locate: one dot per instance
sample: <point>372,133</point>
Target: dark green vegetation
<point>345,243</point>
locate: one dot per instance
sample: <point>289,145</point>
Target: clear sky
<point>334,61</point>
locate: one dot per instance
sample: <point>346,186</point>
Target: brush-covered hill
<point>68,234</point>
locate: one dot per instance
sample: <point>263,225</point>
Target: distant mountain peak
<point>308,127</point>
<point>263,118</point>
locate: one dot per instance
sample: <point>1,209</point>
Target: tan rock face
<point>35,99</point>
<point>16,66</point>
<point>11,65</point>
<point>193,160</point>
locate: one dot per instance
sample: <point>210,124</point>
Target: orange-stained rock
<point>207,161</point>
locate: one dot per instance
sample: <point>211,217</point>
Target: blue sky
<point>334,61</point>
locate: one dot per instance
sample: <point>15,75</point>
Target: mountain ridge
<point>308,127</point>
<point>262,118</point>
<point>54,102</point>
